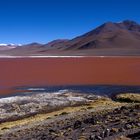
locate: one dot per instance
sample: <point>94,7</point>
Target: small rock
<point>114,130</point>
<point>92,137</point>
<point>77,124</point>
<point>107,132</point>
<point>82,138</point>
<point>137,106</point>
<point>69,129</point>
<point>91,120</point>
<point>138,124</point>
<point>122,129</point>
<point>83,129</point>
<point>98,138</point>
<point>128,126</point>
<point>123,108</point>
<point>51,131</point>
<point>103,134</point>
<point>43,137</point>
<point>94,131</point>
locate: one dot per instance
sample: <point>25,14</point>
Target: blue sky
<point>26,21</point>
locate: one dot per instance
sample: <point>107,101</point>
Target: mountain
<point>109,35</point>
<point>56,44</point>
<point>121,38</point>
<point>7,46</point>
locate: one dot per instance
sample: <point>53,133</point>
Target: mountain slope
<point>108,39</point>
<point>7,46</point>
<point>109,35</point>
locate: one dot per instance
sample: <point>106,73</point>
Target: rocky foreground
<point>19,107</point>
<point>74,116</point>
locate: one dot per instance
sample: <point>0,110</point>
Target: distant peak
<point>108,23</point>
<point>34,44</point>
<point>108,26</point>
<point>2,44</point>
<point>130,22</point>
<point>11,44</point>
<point>130,25</point>
<point>125,22</point>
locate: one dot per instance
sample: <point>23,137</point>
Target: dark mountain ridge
<point>121,38</point>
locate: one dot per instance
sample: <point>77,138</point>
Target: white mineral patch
<point>34,89</point>
<point>33,103</point>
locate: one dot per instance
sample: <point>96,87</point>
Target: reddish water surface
<point>16,72</point>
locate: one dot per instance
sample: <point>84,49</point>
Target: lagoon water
<point>66,71</point>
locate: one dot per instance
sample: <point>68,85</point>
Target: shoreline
<point>101,90</point>
<point>70,56</point>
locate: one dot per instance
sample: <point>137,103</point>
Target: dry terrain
<point>79,116</point>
